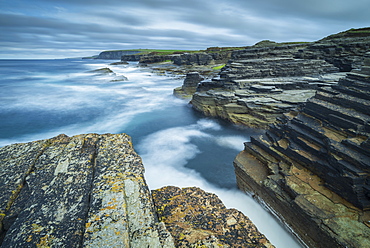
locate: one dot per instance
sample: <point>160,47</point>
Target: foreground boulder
<point>81,191</point>
<point>86,191</point>
<point>199,219</point>
<point>313,168</point>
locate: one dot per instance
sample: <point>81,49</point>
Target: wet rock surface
<point>258,102</point>
<point>312,168</point>
<point>199,219</point>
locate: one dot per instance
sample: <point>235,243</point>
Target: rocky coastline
<point>310,167</point>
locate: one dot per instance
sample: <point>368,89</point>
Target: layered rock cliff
<point>343,50</point>
<point>259,84</point>
<point>89,191</point>
<point>313,167</point>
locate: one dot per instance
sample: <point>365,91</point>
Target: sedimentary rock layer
<point>344,50</point>
<point>258,102</point>
<point>257,75</point>
<point>313,168</point>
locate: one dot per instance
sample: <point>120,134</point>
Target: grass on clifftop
<point>353,32</point>
<point>153,51</point>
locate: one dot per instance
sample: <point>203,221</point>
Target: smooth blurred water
<point>40,99</point>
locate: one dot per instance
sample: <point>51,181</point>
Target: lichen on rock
<point>196,218</point>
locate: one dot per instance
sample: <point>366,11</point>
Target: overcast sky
<point>73,28</point>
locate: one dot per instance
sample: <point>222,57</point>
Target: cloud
<point>71,28</point>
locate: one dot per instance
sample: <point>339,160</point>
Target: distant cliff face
<point>263,82</point>
<point>89,191</point>
<point>344,50</point>
<point>115,54</point>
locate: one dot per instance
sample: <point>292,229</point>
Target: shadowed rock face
<point>189,86</point>
<point>313,168</point>
<point>199,219</point>
<point>89,191</point>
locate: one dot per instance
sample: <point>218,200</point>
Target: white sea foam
<point>165,154</point>
<point>233,142</point>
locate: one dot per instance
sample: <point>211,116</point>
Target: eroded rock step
<point>315,166</point>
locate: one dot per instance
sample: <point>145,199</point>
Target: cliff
<point>89,191</point>
<point>116,54</point>
<point>342,49</point>
<point>262,82</point>
<point>312,168</point>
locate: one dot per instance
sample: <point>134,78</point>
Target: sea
<point>40,99</point>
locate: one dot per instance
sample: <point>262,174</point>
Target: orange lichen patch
<point>109,207</point>
<point>45,242</point>
<point>319,195</point>
<point>195,218</point>
<point>118,188</point>
<point>29,239</point>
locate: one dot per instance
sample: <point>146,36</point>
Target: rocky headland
<point>89,191</point>
<point>262,82</point>
<point>116,54</point>
<point>312,167</point>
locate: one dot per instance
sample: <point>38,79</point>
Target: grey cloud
<point>96,25</point>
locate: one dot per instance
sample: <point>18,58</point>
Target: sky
<point>77,28</point>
